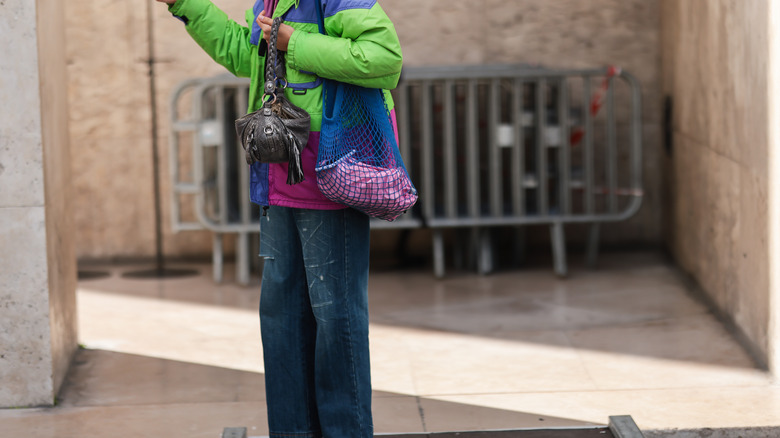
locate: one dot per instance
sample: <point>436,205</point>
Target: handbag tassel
<point>294,169</point>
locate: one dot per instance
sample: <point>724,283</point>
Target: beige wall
<point>715,56</point>
<point>110,116</point>
<point>774,190</point>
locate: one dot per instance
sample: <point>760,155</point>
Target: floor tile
<point>392,368</point>
<point>447,363</point>
<point>651,409</point>
<point>106,378</point>
<point>183,331</point>
<point>514,304</point>
<point>199,288</point>
<point>692,352</point>
<point>449,416</point>
<point>190,420</point>
<point>397,415</point>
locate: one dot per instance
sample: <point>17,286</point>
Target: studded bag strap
<point>273,53</point>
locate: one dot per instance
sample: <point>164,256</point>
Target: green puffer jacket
<point>361,48</point>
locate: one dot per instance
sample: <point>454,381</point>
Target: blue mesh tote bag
<point>358,163</point>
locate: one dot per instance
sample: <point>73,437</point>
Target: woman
<point>314,300</point>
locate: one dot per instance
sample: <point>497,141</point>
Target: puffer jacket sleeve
<point>226,41</point>
<point>361,48</point>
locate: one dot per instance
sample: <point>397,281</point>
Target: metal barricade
<point>518,145</point>
<point>208,172</point>
<point>486,146</point>
<point>205,171</point>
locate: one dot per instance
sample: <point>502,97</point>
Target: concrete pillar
<point>774,188</point>
<point>37,261</point>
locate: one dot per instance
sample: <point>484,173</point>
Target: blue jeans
<point>314,322</point>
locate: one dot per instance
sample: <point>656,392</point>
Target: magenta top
<point>270,7</point>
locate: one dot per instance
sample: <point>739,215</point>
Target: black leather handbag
<point>279,130</point>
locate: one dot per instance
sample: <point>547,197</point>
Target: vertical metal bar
<point>244,202</point>
<point>173,164</point>
<point>401,103</point>
<point>593,245</point>
<point>636,134</point>
<point>221,189</point>
<point>173,141</point>
<point>564,167</point>
<point>485,259</point>
<point>588,148</point>
<point>472,257</point>
<point>254,249</point>
<point>404,128</point>
<point>450,152</point>
<point>472,150</point>
<point>243,256</point>
<point>519,248</point>
<point>541,147</point>
<point>494,150</point>
<point>559,248</point>
<point>520,125</point>
<point>221,162</point>
<point>472,165</point>
<point>518,150</point>
<point>611,150</point>
<point>217,257</point>
<point>438,253</point>
<point>426,132</point>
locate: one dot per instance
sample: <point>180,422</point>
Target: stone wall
<point>109,90</point>
<point>715,66</point>
<point>774,190</point>
<point>37,261</point>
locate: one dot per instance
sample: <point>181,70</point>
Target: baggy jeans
<point>314,322</point>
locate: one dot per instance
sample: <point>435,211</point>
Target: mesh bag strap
<point>320,17</point>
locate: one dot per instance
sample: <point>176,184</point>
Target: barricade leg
<point>254,250</point>
<point>438,253</point>
<point>519,247</point>
<point>461,254</point>
<point>559,248</point>
<point>593,245</point>
<point>485,259</point>
<point>472,249</point>
<point>217,257</point>
<point>242,256</point>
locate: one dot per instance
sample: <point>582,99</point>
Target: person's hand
<point>170,2</point>
<point>285,31</point>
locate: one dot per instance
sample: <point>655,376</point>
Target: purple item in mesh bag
<point>358,162</point>
<point>380,192</point>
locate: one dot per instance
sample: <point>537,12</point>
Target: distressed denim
<point>314,322</point>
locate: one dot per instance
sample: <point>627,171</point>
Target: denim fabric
<point>314,322</point>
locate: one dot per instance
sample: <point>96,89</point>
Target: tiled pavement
<point>512,350</point>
